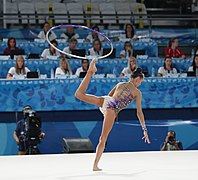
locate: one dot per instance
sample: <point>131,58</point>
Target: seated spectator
<point>129,33</point>
<point>72,46</point>
<point>173,50</point>
<point>50,51</point>
<point>64,68</point>
<point>92,35</point>
<point>42,34</point>
<point>11,46</point>
<point>194,67</point>
<point>69,34</point>
<point>19,68</point>
<point>132,66</point>
<point>97,49</point>
<point>84,67</point>
<point>128,50</point>
<point>171,143</point>
<point>167,69</point>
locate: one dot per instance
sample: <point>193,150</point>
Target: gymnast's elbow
<point>78,95</point>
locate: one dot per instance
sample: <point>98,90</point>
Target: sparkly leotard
<point>120,101</point>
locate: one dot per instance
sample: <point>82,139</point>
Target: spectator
<point>11,46</point>
<point>167,70</point>
<point>19,68</point>
<point>20,135</point>
<point>128,50</point>
<point>97,49</point>
<point>129,33</point>
<point>64,68</point>
<point>51,51</point>
<point>194,67</point>
<point>171,143</point>
<point>42,34</point>
<point>69,34</point>
<point>172,50</point>
<point>84,67</point>
<point>72,46</point>
<point>93,35</point>
<point>132,66</point>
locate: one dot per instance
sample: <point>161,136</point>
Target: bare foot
<point>92,66</point>
<point>96,168</point>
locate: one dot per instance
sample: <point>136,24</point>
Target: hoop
<point>83,27</point>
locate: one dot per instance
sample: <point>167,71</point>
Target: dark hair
<point>73,40</point>
<point>84,60</point>
<point>168,57</point>
<point>171,131</point>
<point>95,27</point>
<point>97,40</point>
<point>171,42</point>
<point>46,22</point>
<point>193,63</point>
<point>127,42</point>
<point>9,39</point>
<point>54,42</point>
<point>137,73</point>
<point>132,30</point>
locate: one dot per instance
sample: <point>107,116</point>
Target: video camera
<point>32,131</point>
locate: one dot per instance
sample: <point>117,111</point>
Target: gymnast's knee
<point>103,140</point>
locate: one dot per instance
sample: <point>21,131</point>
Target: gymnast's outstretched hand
<point>145,137</point>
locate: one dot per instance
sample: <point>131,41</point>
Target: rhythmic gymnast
<point>118,98</point>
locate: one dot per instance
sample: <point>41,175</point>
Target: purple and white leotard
<point>120,102</point>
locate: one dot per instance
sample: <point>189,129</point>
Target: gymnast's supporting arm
<point>140,116</point>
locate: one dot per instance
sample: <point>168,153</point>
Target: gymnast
<point>118,98</point>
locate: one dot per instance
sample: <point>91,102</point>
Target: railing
<point>148,20</point>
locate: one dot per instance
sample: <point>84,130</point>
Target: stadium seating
<point>60,8</point>
<point>105,12</point>
<point>75,8</point>
<point>25,8</point>
<point>11,8</point>
<point>108,9</point>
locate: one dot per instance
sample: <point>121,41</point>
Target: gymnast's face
<point>137,81</point>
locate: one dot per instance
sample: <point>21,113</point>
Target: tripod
<point>32,147</point>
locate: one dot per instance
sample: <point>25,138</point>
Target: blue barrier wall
<point>58,94</point>
<point>125,135</point>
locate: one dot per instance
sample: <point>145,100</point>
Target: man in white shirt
<point>69,34</point>
<point>42,34</point>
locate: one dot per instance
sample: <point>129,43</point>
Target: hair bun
<point>138,70</point>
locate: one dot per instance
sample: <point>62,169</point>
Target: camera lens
<point>171,139</point>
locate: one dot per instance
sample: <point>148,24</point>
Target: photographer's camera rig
<point>32,132</point>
